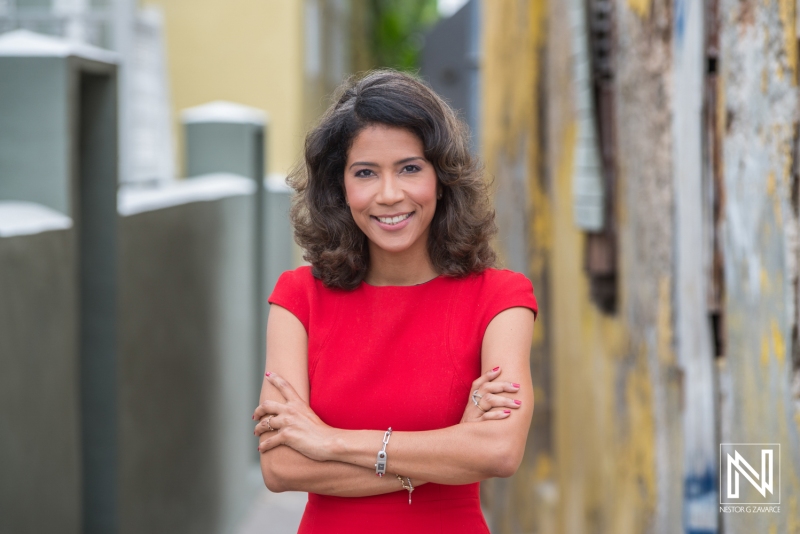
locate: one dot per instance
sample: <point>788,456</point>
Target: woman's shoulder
<point>495,289</point>
<point>294,282</point>
<point>301,274</point>
<point>294,291</point>
<point>302,280</point>
<point>492,278</point>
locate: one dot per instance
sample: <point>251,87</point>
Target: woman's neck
<point>408,268</point>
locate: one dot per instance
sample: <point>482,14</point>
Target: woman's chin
<point>392,246</point>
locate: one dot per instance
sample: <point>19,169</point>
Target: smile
<point>391,221</point>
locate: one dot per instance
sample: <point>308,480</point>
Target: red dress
<point>401,357</point>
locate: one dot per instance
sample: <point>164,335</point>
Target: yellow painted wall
<point>595,473</point>
<point>245,51</point>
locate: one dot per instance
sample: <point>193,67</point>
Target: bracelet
<point>410,486</point>
<point>380,463</point>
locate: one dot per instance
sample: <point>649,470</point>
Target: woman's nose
<point>390,191</point>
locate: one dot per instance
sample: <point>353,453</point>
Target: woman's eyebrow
<point>370,164</point>
<point>406,160</point>
<point>365,163</point>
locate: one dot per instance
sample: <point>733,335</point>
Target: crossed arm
<point>321,459</point>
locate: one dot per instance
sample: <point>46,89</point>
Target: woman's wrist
<point>357,447</point>
<point>337,445</point>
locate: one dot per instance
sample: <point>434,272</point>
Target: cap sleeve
<point>291,292</point>
<point>508,289</point>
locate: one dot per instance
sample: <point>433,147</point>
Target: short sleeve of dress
<point>291,292</point>
<point>508,289</point>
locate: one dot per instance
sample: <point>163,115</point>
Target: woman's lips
<point>393,227</point>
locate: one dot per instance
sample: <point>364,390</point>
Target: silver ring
<point>475,401</point>
<point>269,425</point>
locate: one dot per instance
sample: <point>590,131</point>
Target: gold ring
<point>269,425</point>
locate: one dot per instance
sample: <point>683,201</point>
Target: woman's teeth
<point>394,220</point>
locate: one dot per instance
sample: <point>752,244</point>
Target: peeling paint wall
<point>631,406</point>
<point>758,89</point>
<point>609,391</point>
<point>511,119</point>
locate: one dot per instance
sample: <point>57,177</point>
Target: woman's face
<point>391,187</point>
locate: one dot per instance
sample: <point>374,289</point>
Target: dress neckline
<point>421,284</point>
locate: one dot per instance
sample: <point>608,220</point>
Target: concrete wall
<point>186,337</point>
<point>40,448</point>
<point>187,347</point>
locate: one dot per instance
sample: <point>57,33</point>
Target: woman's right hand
<point>496,406</point>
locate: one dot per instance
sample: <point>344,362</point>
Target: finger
<point>283,386</point>
<point>268,407</point>
<point>497,386</point>
<point>496,401</point>
<point>271,442</point>
<point>486,377</point>
<point>265,423</point>
<point>496,414</point>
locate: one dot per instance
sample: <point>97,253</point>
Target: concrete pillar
<point>58,148</point>
<point>278,229</point>
<point>225,137</point>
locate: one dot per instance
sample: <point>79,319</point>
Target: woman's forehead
<point>384,143</point>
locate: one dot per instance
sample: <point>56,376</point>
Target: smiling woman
<point>390,187</point>
<point>385,355</point>
<point>399,108</point>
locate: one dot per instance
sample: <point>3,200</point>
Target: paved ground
<point>272,513</point>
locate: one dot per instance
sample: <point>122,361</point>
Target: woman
<point>388,354</point>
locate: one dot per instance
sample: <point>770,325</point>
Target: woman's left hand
<point>294,423</point>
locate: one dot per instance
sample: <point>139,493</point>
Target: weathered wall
<point>758,101</point>
<point>631,406</point>
<point>590,467</point>
<point>512,88</point>
<point>643,101</point>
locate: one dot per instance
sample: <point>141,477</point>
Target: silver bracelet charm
<point>380,463</point>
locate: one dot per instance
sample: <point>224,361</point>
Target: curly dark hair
<point>464,221</point>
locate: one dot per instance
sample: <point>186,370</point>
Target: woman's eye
<point>362,173</point>
<point>411,168</point>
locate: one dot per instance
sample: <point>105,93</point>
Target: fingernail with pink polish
<point>515,385</point>
<point>506,411</point>
<point>496,368</point>
<point>267,373</point>
<point>517,402</point>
